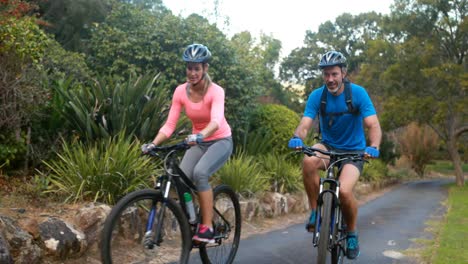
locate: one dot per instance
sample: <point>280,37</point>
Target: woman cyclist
<point>202,100</point>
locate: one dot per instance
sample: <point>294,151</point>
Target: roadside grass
<point>445,167</point>
<point>453,240</point>
<point>450,233</point>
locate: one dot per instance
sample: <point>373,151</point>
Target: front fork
<point>153,236</point>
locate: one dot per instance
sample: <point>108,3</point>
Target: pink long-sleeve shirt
<point>211,108</point>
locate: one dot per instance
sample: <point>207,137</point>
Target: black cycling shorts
<point>359,164</point>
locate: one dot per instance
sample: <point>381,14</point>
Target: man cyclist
<point>342,129</point>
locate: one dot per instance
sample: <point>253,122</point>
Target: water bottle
<point>190,208</point>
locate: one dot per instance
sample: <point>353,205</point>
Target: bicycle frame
<point>175,177</point>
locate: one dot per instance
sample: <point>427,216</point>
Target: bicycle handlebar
<point>154,152</point>
<point>311,151</point>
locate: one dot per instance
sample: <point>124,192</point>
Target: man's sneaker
<point>352,250</point>
<point>204,234</point>
<point>310,225</point>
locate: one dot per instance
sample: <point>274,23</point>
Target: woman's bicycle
<point>330,229</point>
<point>152,225</point>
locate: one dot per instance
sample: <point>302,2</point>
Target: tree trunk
<point>455,157</point>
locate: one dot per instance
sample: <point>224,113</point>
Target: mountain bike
<point>152,225</point>
<point>329,235</point>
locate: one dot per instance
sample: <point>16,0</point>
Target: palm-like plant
<point>243,174</point>
<point>284,176</point>
<point>110,106</point>
<point>103,171</point>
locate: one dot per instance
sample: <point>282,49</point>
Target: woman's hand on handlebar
<point>145,148</point>
<point>194,139</point>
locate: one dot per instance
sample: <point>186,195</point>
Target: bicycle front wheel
<point>324,231</point>
<point>141,228</point>
<point>227,227</point>
<point>339,238</point>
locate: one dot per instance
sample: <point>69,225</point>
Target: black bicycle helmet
<point>332,58</point>
<point>197,53</point>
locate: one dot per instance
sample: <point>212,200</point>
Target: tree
<point>135,39</point>
<point>429,74</point>
<point>70,21</point>
<point>22,46</point>
<point>349,34</point>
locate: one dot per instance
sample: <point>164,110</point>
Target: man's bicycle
<point>152,225</point>
<point>330,229</point>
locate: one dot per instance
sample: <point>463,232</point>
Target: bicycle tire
<point>324,232</point>
<point>337,251</point>
<point>224,250</point>
<point>123,234</point>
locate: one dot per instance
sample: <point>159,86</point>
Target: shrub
<point>388,152</point>
<point>284,176</point>
<point>280,121</point>
<point>12,150</point>
<point>243,174</point>
<point>374,171</point>
<point>103,171</point>
<point>419,144</point>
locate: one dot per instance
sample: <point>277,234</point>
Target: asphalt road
<point>386,227</point>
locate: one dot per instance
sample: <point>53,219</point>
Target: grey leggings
<point>203,160</point>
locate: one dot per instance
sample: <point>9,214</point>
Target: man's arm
<point>375,132</point>
<point>304,127</point>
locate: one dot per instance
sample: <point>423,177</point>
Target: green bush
<point>374,171</point>
<point>284,176</point>
<point>12,150</point>
<point>280,121</point>
<point>243,174</point>
<point>103,171</point>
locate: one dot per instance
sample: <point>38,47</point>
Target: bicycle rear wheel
<point>129,236</point>
<point>324,232</point>
<point>227,227</point>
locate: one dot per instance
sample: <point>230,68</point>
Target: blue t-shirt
<point>345,131</point>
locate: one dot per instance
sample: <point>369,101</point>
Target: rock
<point>23,248</point>
<point>266,210</point>
<point>62,241</point>
<point>31,226</point>
<point>249,209</point>
<point>277,202</point>
<point>90,219</point>
<point>5,256</point>
<point>293,204</point>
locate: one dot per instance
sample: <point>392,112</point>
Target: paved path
<point>386,226</point>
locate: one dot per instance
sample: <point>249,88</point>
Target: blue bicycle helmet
<point>332,58</point>
<point>197,53</point>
